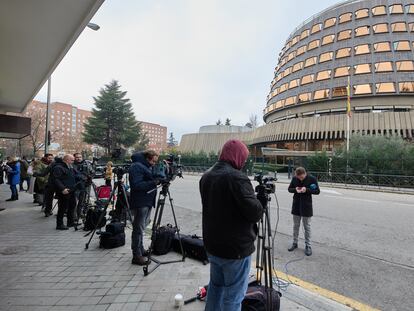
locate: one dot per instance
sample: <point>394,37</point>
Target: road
<point>362,242</point>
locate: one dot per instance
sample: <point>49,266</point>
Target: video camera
<point>169,169</point>
<point>121,169</point>
<point>267,182</point>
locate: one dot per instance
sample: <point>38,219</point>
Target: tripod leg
<point>176,224</point>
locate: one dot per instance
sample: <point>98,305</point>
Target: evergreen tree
<point>112,123</point>
<point>171,140</point>
<point>218,122</point>
<point>228,122</point>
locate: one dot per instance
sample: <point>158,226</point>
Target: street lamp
<point>92,26</point>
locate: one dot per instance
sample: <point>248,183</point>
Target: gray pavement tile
<point>135,297</point>
<point>145,306</point>
<point>130,306</point>
<point>121,298</point>
<point>116,307</point>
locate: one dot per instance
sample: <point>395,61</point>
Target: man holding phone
<point>303,186</point>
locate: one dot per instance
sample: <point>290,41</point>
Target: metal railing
<point>194,170</point>
<point>377,180</point>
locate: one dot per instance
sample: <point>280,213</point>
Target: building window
<point>278,77</point>
<point>399,27</point>
<point>279,104</point>
<point>291,56</point>
<point>321,94</point>
<point>342,71</point>
<point>330,22</point>
<point>304,97</point>
<point>316,28</point>
<point>361,13</point>
<point>345,34</point>
<point>362,31</point>
<point>406,87</point>
<point>328,39</point>
<point>380,28</point>
<point>362,49</point>
<point>283,62</point>
<point>323,75</point>
<point>310,61</point>
<point>297,66</point>
<point>295,40</point>
<point>346,17</point>
<point>379,10</point>
<point>362,68</point>
<point>290,101</point>
<point>405,65</point>
<point>304,34</point>
<point>313,44</point>
<point>283,88</point>
<point>325,57</point>
<point>287,71</point>
<point>409,9</point>
<point>396,9</point>
<point>411,26</point>
<point>345,52</point>
<point>294,83</point>
<point>383,67</point>
<point>362,89</point>
<point>402,46</point>
<point>307,79</point>
<point>382,47</point>
<point>387,87</point>
<point>301,50</point>
<point>339,91</point>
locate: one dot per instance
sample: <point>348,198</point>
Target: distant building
<point>157,136</point>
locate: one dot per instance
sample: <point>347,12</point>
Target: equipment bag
<point>92,217</point>
<point>193,247</point>
<point>109,240</point>
<point>115,227</point>
<point>256,299</point>
<point>104,192</point>
<point>163,239</point>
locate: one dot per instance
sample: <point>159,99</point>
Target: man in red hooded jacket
<point>230,213</point>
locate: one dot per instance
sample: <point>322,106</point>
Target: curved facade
<point>371,43</point>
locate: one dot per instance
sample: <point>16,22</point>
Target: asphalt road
<point>362,242</point>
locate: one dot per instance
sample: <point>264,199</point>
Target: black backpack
<point>114,235</point>
<point>92,218</point>
<point>256,299</point>
<point>193,247</point>
<point>163,239</point>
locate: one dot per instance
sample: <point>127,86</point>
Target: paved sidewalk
<point>45,269</point>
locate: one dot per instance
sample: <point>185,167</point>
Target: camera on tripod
<point>169,169</point>
<point>266,183</point>
<point>121,170</point>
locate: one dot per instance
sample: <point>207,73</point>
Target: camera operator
<point>303,186</point>
<point>65,177</point>
<point>49,191</point>
<point>142,181</point>
<point>85,173</point>
<point>230,213</point>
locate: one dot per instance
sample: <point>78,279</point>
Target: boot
<point>308,250</point>
<point>11,199</point>
<point>140,260</point>
<point>293,247</point>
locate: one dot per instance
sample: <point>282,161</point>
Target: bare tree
<point>253,120</point>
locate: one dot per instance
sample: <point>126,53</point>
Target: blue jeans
<point>13,189</point>
<point>142,216</point>
<point>228,283</point>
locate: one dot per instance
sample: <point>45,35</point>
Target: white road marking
<point>331,191</point>
<point>366,200</point>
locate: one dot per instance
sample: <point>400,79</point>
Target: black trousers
<point>66,203</point>
<point>48,198</point>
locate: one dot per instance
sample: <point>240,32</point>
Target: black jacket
<point>141,180</point>
<point>230,212</point>
<point>64,177</point>
<point>302,202</point>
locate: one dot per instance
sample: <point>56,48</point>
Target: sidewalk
<point>45,269</point>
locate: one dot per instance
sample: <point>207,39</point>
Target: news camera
<point>121,169</point>
<point>266,183</point>
<point>169,169</point>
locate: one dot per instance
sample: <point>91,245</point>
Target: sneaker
<point>140,261</point>
<point>308,250</point>
<point>293,247</point>
<point>47,214</point>
<point>11,199</point>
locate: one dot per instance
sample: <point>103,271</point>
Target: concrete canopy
<point>35,36</point>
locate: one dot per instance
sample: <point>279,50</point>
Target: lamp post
<point>92,26</point>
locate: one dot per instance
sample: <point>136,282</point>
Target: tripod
<point>84,202</point>
<point>264,247</point>
<point>120,187</point>
<point>157,224</point>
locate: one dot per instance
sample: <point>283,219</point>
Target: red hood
<point>234,152</point>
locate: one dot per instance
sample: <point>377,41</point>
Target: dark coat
<point>141,180</point>
<point>302,202</point>
<point>64,177</point>
<point>230,212</point>
<point>14,173</point>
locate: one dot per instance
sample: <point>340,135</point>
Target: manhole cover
<point>14,250</point>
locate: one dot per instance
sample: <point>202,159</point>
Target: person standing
<point>230,213</point>
<point>85,172</point>
<point>13,177</point>
<point>24,176</point>
<point>49,191</point>
<point>108,174</point>
<point>41,181</point>
<point>142,181</point>
<point>303,186</point>
<point>64,176</point>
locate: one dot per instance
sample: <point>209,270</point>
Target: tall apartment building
<point>157,136</point>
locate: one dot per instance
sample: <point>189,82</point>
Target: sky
<point>183,63</point>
